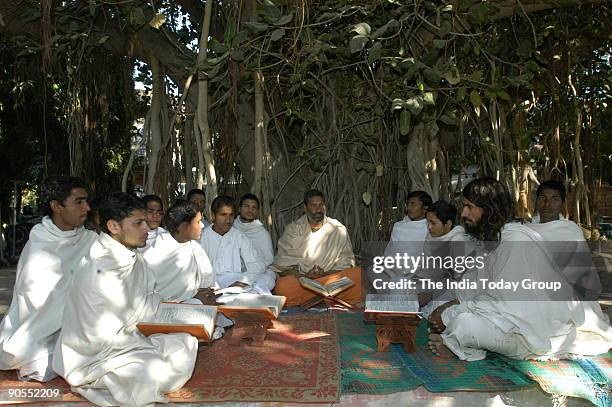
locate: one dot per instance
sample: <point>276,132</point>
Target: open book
<point>194,319</point>
<point>268,305</point>
<point>392,304</point>
<point>327,290</point>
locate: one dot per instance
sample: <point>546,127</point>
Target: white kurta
<point>407,236</point>
<point>234,259</point>
<point>545,327</point>
<point>180,269</point>
<point>44,274</point>
<point>259,237</point>
<point>100,352</point>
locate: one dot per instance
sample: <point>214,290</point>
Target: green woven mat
<point>587,378</point>
<point>366,371</point>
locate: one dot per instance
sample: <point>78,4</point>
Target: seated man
<point>155,214</point>
<point>443,240</point>
<point>100,351</point>
<point>44,274</point>
<point>550,199</point>
<point>248,223</point>
<point>520,324</point>
<point>317,247</point>
<point>234,260</point>
<point>180,265</point>
<point>408,235</point>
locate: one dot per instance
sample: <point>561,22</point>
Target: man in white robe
<point>408,235</point>
<point>550,199</point>
<point>233,258</point>
<point>545,324</point>
<point>248,223</point>
<point>180,265</point>
<point>100,352</point>
<point>155,215</point>
<point>317,247</point>
<point>45,270</point>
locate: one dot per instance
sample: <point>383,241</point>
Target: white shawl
<point>44,275</point>
<point>259,237</point>
<point>180,269</point>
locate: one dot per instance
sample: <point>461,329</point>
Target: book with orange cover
<point>269,306</point>
<point>171,317</point>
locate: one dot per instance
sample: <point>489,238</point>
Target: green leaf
<point>393,23</point>
<point>452,76</point>
<point>375,52</point>
<point>461,94</point>
<point>476,76</point>
<point>103,39</point>
<point>429,99</point>
<point>397,104</point>
<point>362,29</point>
<point>136,16</point>
<point>256,26</point>
<point>284,19</point>
<point>404,122</point>
<point>440,44</point>
<point>92,7</point>
<point>445,28</point>
<point>237,55</point>
<point>502,94</point>
<point>432,76</point>
<point>415,105</point>
<point>358,42</point>
<point>157,20</point>
<point>277,34</point>
<point>475,98</point>
<point>449,119</point>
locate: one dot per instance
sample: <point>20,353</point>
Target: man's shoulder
<point>336,223</point>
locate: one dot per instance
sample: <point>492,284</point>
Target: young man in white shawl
<point>198,197</point>
<point>234,260</point>
<point>541,323</point>
<point>550,199</point>
<point>248,223</point>
<point>45,271</point>
<point>445,240</point>
<point>318,247</point>
<point>180,265</point>
<point>155,215</point>
<point>408,235</point>
<point>100,352</point>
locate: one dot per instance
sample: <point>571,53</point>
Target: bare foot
<point>437,347</point>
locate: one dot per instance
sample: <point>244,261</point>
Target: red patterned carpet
<point>298,362</point>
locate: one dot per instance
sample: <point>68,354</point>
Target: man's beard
<point>481,231</point>
<point>316,217</point>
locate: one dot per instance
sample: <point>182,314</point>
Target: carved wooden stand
<point>394,328</point>
<point>250,327</point>
<point>330,300</point>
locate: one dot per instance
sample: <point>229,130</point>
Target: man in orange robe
<point>316,247</point>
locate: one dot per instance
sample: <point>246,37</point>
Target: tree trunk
<point>156,125</point>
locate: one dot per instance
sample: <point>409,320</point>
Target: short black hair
<point>250,196</point>
<point>152,198</point>
<point>551,184</point>
<point>311,194</point>
<point>444,211</point>
<point>195,191</point>
<point>221,201</point>
<point>179,212</point>
<point>118,206</point>
<point>423,196</point>
<point>58,188</point>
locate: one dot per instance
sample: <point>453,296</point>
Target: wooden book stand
<point>329,300</point>
<point>394,328</point>
<point>251,327</point>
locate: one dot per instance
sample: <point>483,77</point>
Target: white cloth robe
<point>179,269</point>
<point>329,247</point>
<point>234,259</point>
<point>100,352</point>
<point>455,243</point>
<point>259,237</point>
<point>407,236</point>
<point>151,238</point>
<point>536,218</point>
<point>44,274</point>
<point>540,329</point>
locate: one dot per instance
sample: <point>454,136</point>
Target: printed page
<point>391,303</point>
<point>312,283</point>
<point>185,314</point>
<point>273,302</point>
<point>343,282</point>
